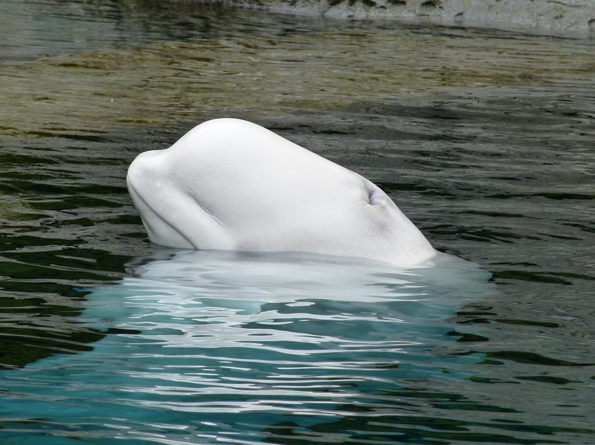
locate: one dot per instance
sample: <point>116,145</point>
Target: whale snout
<point>171,212</point>
<point>144,168</point>
<point>146,182</point>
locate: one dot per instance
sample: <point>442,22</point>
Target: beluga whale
<point>229,184</point>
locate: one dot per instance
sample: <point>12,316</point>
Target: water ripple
<point>483,138</point>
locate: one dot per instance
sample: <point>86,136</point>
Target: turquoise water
<point>209,347</point>
<point>484,139</point>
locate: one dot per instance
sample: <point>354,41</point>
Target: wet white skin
<point>229,184</point>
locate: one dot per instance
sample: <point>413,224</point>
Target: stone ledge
<point>561,17</point>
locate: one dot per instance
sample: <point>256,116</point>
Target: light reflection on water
<point>296,337</point>
<point>484,139</point>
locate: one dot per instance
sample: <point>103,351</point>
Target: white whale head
<point>229,184</point>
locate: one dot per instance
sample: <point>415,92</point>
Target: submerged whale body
<point>229,184</point>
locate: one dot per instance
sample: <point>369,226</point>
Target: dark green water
<point>484,139</point>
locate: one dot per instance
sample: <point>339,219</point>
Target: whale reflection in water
<point>211,299</point>
<point>248,341</point>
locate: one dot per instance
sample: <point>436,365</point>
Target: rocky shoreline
<point>573,18</point>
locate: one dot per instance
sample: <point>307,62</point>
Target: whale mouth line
<point>205,209</point>
<point>157,215</point>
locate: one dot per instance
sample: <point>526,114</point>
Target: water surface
<point>484,139</point>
